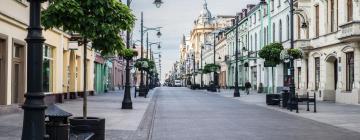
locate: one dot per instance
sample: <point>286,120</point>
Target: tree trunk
<point>85,73</point>
<point>272,79</point>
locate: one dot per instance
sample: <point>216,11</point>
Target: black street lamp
<point>292,100</point>
<point>215,83</point>
<point>193,57</point>
<point>144,89</point>
<point>158,3</point>
<point>34,106</point>
<point>236,89</point>
<point>127,103</point>
<point>149,76</point>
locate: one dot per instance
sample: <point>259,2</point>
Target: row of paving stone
<point>120,124</point>
<point>336,114</point>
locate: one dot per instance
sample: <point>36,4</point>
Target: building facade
<point>62,64</point>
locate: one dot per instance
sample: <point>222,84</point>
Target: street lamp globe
<point>158,3</point>
<point>159,34</point>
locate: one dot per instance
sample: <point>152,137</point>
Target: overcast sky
<point>177,18</point>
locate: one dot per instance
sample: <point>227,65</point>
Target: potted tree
<point>97,21</point>
<point>271,54</point>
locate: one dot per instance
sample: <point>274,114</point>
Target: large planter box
<point>273,99</point>
<point>91,124</point>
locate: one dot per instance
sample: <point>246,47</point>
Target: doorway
<point>17,74</point>
<point>2,71</point>
<point>331,78</point>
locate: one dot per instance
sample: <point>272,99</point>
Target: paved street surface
<point>336,114</point>
<point>182,114</point>
<point>120,124</point>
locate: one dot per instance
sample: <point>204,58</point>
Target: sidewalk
<point>120,124</point>
<point>335,114</point>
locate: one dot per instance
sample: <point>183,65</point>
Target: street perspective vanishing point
<point>179,70</point>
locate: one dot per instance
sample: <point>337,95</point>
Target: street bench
<point>309,100</point>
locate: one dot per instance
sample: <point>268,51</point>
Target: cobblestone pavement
<point>120,124</point>
<point>183,114</point>
<point>337,114</point>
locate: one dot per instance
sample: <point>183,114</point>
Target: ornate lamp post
<point>144,89</point>
<point>150,57</point>
<point>127,103</point>
<point>236,84</point>
<point>34,106</point>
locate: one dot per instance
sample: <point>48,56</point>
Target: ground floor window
<point>317,73</point>
<point>47,68</point>
<point>349,71</point>
<point>299,77</point>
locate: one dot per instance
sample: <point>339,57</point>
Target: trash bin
<point>57,124</point>
<point>285,98</point>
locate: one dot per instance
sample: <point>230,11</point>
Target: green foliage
<point>97,20</point>
<point>128,53</point>
<point>295,53</point>
<point>145,64</point>
<point>210,68</point>
<point>271,53</point>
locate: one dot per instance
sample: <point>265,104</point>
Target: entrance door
<point>2,72</point>
<point>17,74</point>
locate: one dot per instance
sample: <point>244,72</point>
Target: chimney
<point>245,11</point>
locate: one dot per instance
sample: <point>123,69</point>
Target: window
<point>349,71</point>
<point>272,5</point>
<point>17,51</point>
<point>298,27</point>
<point>274,33</point>
<point>279,3</point>
<point>332,16</point>
<point>349,10</point>
<point>280,31</point>
<point>255,18</point>
<point>251,43</point>
<point>47,68</point>
<point>287,27</point>
<point>255,43</point>
<point>299,77</point>
<point>317,20</point>
<point>265,36</point>
<point>317,73</point>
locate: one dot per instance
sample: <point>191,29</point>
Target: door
<point>17,74</point>
<point>2,72</point>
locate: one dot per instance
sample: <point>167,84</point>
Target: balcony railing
<point>349,31</point>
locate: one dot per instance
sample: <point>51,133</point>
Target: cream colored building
<point>63,71</point>
<point>331,67</point>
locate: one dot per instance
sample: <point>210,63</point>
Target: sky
<point>176,17</point>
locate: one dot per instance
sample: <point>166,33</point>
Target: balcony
<point>303,44</point>
<point>349,31</point>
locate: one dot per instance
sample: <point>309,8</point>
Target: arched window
<point>255,42</point>
<point>287,27</point>
<point>274,34</point>
<point>280,31</point>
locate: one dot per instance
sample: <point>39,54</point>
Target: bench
<point>310,100</point>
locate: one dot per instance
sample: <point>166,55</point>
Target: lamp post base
<point>236,93</point>
<point>126,105</point>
